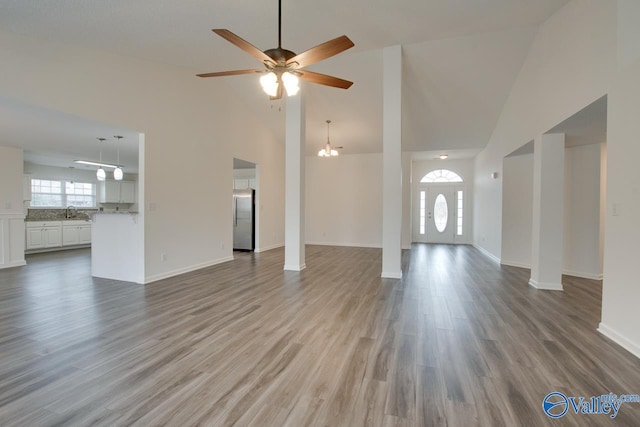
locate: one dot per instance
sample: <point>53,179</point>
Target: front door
<point>440,214</point>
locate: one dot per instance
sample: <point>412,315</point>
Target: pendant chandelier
<point>118,174</point>
<point>101,174</point>
<point>328,150</point>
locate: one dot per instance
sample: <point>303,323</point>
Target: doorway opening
<point>244,205</point>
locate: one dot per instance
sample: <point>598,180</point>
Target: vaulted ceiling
<point>460,57</point>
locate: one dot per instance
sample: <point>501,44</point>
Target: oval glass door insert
<point>440,213</point>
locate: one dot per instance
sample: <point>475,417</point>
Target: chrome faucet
<point>71,212</point>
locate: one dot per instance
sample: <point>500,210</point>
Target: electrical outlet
<point>163,257</point>
<point>7,205</point>
<point>221,245</point>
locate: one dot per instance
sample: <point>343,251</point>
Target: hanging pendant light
<point>101,174</point>
<point>118,174</point>
<point>328,150</point>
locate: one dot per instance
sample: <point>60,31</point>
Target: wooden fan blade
<point>322,51</point>
<point>323,79</point>
<point>243,44</point>
<point>229,73</point>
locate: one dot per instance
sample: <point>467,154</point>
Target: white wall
<point>621,288</point>
<point>582,222</point>
<point>10,180</point>
<point>192,126</point>
<point>407,166</point>
<point>517,210</point>
<point>582,212</point>
<point>344,200</point>
<point>570,64</point>
<point>11,208</point>
<point>586,50</point>
<point>464,168</point>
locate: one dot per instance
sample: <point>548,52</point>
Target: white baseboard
<point>565,272</point>
<point>13,264</point>
<point>389,275</point>
<point>295,267</point>
<point>620,339</point>
<point>487,253</point>
<point>515,264</point>
<point>582,275</point>
<point>351,245</point>
<point>268,248</point>
<point>166,275</point>
<point>546,286</point>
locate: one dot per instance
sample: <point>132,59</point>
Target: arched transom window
<point>441,175</point>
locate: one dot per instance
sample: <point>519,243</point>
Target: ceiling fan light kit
<point>283,67</point>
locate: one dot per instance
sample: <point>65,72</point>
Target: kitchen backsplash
<point>56,214</point>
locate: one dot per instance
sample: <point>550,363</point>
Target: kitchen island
<point>117,246</point>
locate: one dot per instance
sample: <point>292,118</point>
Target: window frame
<point>63,194</point>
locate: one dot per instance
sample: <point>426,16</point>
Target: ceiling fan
<point>283,67</point>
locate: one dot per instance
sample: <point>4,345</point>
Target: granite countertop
<point>116,213</point>
<point>84,218</point>
<point>57,214</point>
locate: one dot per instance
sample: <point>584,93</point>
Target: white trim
<point>582,275</point>
<point>166,275</point>
<point>546,286</point>
<point>515,264</point>
<point>13,264</point>
<point>295,267</point>
<point>268,248</point>
<point>351,245</point>
<point>406,247</point>
<point>565,272</point>
<point>619,339</point>
<point>487,253</point>
<point>389,275</point>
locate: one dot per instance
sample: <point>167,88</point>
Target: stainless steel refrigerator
<point>244,220</point>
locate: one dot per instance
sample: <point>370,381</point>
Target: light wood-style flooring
<point>460,341</point>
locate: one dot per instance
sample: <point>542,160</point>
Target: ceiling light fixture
<point>101,174</point>
<point>443,156</point>
<point>328,150</point>
<point>117,172</point>
<point>90,163</point>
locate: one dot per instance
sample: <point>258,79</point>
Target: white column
<point>294,255</point>
<point>548,208</point>
<point>392,162</point>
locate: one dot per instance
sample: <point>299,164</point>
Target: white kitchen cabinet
<point>127,192</point>
<point>240,183</point>
<point>244,183</point>
<point>84,234</point>
<point>117,192</point>
<point>42,235</point>
<point>76,233</point>
<point>35,238</point>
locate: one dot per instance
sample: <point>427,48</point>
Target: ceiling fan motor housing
<point>280,56</point>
